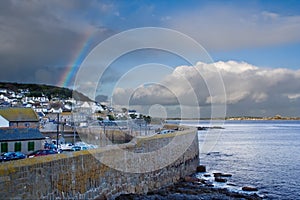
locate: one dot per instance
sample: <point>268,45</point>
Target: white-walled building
<point>3,122</point>
<point>25,140</point>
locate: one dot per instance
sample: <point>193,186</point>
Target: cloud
<point>221,27</point>
<point>248,89</point>
<point>41,37</point>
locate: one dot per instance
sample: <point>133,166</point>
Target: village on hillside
<point>38,125</point>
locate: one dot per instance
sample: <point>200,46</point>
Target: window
<point>4,147</point>
<point>30,146</point>
<point>18,146</point>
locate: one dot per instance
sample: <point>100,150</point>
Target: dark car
<point>12,156</point>
<point>166,131</point>
<point>42,152</point>
<point>49,146</point>
<point>76,148</point>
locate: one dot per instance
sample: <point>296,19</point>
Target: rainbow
<point>82,50</point>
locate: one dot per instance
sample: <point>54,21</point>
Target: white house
<point>56,110</point>
<point>2,90</point>
<point>97,107</point>
<point>3,122</point>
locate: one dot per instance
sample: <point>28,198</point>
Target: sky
<point>252,45</point>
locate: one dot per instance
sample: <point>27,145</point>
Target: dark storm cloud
<point>40,37</point>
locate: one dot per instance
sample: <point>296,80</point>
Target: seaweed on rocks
<point>190,191</point>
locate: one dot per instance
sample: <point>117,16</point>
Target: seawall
<point>143,165</point>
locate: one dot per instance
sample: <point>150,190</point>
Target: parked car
<point>49,146</point>
<point>67,147</point>
<point>166,131</point>
<point>76,148</point>
<point>12,156</point>
<point>84,148</point>
<point>42,152</point>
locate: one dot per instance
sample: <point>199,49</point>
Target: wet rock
<point>217,174</point>
<point>101,197</point>
<point>191,179</point>
<point>202,180</point>
<point>189,191</point>
<point>226,175</point>
<point>249,189</point>
<point>220,180</point>
<point>201,168</point>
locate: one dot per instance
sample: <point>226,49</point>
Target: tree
<point>35,94</point>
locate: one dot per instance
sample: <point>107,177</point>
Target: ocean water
<point>263,154</point>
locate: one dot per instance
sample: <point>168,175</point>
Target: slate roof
<point>18,134</point>
<point>19,114</point>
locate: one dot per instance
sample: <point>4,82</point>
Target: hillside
<point>46,90</point>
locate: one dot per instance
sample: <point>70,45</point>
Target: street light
<point>57,130</point>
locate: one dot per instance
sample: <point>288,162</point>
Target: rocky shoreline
<point>190,191</point>
<point>197,187</point>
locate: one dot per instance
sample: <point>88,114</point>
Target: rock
<point>101,197</point>
<point>201,168</point>
<point>220,180</point>
<point>249,189</point>
<point>191,179</point>
<point>202,180</point>
<point>209,183</point>
<point>226,175</point>
<point>207,175</point>
<point>217,174</point>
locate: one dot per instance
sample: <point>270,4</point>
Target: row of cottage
<point>20,127</point>
<point>20,124</point>
<point>41,104</point>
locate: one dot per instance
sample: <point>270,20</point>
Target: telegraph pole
<point>57,130</point>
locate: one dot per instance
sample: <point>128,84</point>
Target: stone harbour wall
<point>84,175</point>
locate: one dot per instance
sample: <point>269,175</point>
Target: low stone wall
<point>81,175</point>
<point>97,136</point>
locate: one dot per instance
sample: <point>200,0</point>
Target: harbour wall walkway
<point>144,164</point>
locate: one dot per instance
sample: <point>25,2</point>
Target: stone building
<point>20,117</point>
<point>25,140</point>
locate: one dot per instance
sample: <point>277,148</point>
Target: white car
<point>67,147</point>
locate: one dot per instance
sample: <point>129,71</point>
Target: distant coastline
<point>238,118</point>
<point>276,117</point>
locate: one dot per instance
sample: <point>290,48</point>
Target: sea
<point>261,154</point>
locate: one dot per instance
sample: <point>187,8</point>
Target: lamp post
<point>73,124</point>
<point>57,130</point>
